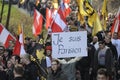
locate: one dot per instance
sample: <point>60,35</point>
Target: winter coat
<point>59,75</point>
<point>19,78</point>
<point>108,60</point>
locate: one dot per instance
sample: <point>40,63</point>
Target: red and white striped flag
<point>48,17</point>
<point>19,46</point>
<point>66,1</point>
<point>5,36</point>
<point>37,24</point>
<point>59,22</point>
<point>116,24</point>
<point>65,8</point>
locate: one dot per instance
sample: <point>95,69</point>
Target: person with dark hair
<point>6,56</point>
<point>103,58</point>
<point>10,66</point>
<point>32,49</point>
<point>56,72</point>
<point>31,6</point>
<point>18,72</point>
<point>9,70</point>
<point>100,35</point>
<point>15,59</point>
<point>27,44</point>
<point>85,65</point>
<point>30,72</point>
<point>3,75</point>
<point>109,44</point>
<point>102,74</point>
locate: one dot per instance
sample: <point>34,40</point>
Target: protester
<point>116,43</point>
<point>95,42</point>
<point>11,46</point>
<point>100,54</point>
<point>6,56</point>
<point>9,70</point>
<point>109,44</point>
<point>57,73</point>
<point>32,49</point>
<point>85,65</point>
<point>103,58</point>
<point>27,44</point>
<point>69,66</point>
<point>30,72</point>
<point>48,50</point>
<point>3,75</point>
<point>31,4</point>
<point>18,72</point>
<point>102,74</point>
<point>15,59</point>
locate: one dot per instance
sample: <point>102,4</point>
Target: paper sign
<point>69,44</point>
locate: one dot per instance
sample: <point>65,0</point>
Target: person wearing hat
<point>48,52</point>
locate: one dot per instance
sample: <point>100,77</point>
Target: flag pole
<point>22,34</point>
<point>48,32</point>
<point>41,15</point>
<point>54,18</point>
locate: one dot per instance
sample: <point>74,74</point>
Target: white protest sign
<point>69,44</point>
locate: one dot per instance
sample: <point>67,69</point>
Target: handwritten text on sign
<point>69,44</point>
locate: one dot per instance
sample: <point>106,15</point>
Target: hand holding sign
<point>69,44</point>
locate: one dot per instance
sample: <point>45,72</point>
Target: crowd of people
<point>102,62</point>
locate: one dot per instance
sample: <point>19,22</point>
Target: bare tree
<point>8,15</point>
<point>2,8</point>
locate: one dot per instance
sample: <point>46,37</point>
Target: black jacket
<point>3,75</point>
<point>30,72</point>
<point>108,60</point>
<point>19,78</point>
<point>86,62</point>
<point>59,75</point>
<point>113,49</point>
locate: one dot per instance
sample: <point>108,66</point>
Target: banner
<point>69,44</point>
<point>5,36</point>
